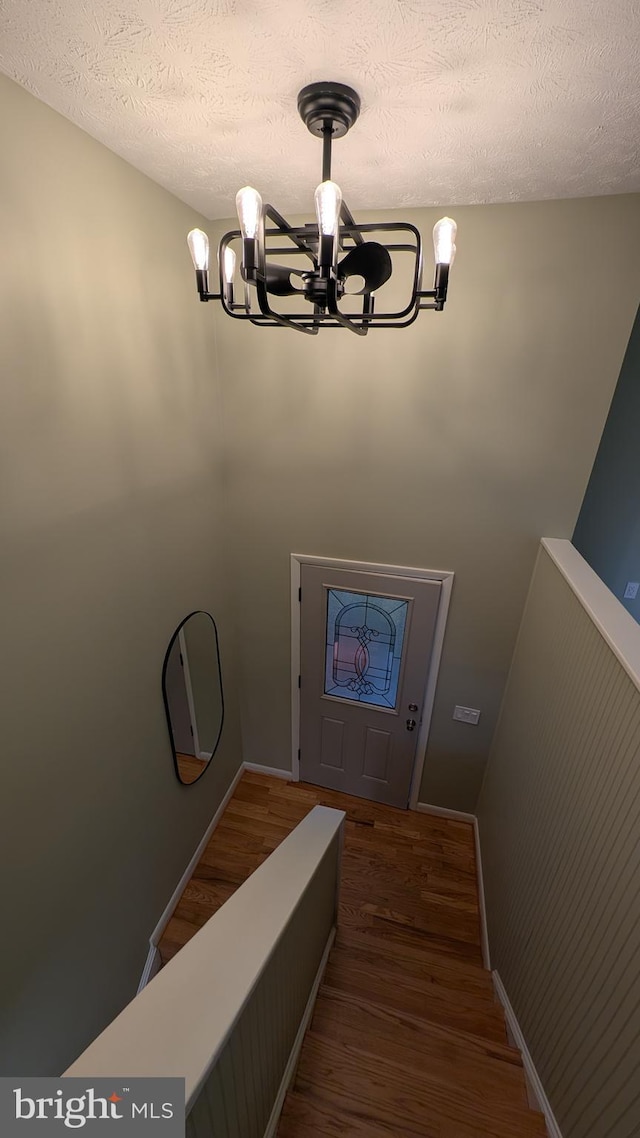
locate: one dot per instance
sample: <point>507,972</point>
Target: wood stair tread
<point>425,919</point>
<point>431,1002</point>
<point>432,981</point>
<point>352,1080</point>
<point>421,964</point>
<point>420,1035</point>
<point>176,934</point>
<point>307,1116</point>
<point>414,948</point>
<point>201,899</point>
<point>384,926</point>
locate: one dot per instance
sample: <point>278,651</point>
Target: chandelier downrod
<point>327,141</point>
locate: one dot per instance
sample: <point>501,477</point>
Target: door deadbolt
<point>410,724</point>
<point>413,707</point>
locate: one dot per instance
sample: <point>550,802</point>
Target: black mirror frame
<point>196,612</point>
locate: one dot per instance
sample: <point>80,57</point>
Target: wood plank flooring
<point>189,767</point>
<point>407,1038</point>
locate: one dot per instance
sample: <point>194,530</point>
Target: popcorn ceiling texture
<point>464,101</point>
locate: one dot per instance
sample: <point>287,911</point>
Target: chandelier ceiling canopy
<point>325,261</point>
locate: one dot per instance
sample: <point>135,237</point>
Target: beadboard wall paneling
<point>559,818</point>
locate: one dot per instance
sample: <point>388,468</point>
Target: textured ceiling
<point>463,100</point>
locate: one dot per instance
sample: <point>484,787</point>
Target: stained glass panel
<point>365,637</point>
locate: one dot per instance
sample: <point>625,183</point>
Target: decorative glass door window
<point>364,642</point>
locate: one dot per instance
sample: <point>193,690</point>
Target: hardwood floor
<point>189,767</point>
<point>407,1038</point>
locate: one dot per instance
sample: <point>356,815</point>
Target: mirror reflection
<point>193,699</point>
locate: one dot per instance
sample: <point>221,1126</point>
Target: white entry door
<point>365,647</point>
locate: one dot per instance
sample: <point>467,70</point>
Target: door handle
<point>410,724</point>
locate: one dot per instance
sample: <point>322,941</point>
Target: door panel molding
<point>445,577</point>
<point>332,742</point>
<point>377,752</point>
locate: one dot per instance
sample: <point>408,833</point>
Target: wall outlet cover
<point>466,714</point>
<point>631,590</point>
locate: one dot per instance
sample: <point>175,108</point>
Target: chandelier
<point>334,258</point>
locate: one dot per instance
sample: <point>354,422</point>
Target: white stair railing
<point>228,1013</point>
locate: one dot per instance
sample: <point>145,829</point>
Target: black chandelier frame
<point>329,110</point>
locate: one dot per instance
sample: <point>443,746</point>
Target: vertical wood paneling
<point>238,1096</point>
<point>559,819</point>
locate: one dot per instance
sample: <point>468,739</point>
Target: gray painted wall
<point>559,819</point>
<point>608,529</point>
<point>454,445</point>
<point>111,532</point>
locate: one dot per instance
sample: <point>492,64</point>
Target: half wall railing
<point>228,1013</point>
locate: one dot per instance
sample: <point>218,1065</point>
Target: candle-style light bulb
<point>229,265</point>
<point>198,243</point>
<point>249,207</point>
<point>444,248</point>
<point>444,236</point>
<point>328,198</point>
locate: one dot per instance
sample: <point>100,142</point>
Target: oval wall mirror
<point>192,692</point>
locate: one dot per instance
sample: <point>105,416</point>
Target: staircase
<point>407,1037</point>
<point>404,1041</point>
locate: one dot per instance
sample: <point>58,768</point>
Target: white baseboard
<point>275,772</point>
<point>484,933</point>
<point>151,967</point>
<point>444,812</point>
<point>290,1068</point>
<point>537,1097</point>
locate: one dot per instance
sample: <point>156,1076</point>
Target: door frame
<point>186,675</point>
<point>186,672</point>
<point>445,578</point>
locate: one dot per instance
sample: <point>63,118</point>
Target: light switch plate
<point>631,591</point>
<point>466,714</point>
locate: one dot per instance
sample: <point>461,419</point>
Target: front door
<point>365,649</point>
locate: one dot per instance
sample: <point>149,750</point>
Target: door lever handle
<point>410,724</point>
